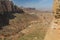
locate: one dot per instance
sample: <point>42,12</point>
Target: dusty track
<point>53,32</point>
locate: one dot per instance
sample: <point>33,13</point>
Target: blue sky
<point>39,4</point>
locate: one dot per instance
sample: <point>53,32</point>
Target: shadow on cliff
<point>6,16</point>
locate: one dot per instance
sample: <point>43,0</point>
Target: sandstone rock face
<point>7,9</point>
<point>5,6</point>
<point>8,6</point>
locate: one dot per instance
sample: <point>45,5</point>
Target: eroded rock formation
<point>7,8</point>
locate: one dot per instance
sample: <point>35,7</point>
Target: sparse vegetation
<point>37,31</point>
<point>16,25</point>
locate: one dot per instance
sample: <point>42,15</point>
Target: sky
<point>38,4</point>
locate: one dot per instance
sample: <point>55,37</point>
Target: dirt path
<point>53,32</point>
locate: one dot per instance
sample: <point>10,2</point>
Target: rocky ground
<point>20,22</point>
<point>28,26</point>
<point>37,30</point>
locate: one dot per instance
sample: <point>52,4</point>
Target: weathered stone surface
<point>8,6</point>
<point>7,9</point>
<point>5,6</point>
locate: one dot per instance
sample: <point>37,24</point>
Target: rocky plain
<point>23,23</point>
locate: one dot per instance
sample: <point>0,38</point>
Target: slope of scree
<point>20,22</point>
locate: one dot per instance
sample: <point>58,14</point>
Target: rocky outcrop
<point>8,6</point>
<point>7,9</point>
<point>5,6</point>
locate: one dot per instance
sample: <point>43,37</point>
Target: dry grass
<point>20,22</point>
<point>38,31</point>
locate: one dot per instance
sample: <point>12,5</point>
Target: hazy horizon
<point>38,4</point>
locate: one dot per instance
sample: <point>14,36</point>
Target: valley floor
<point>37,30</point>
